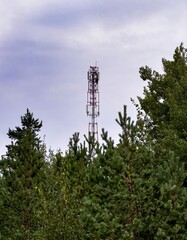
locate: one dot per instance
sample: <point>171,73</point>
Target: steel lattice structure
<point>92,107</point>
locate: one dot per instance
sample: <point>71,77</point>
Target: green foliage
<point>21,169</point>
<point>119,187</point>
<point>172,201</point>
<point>62,192</point>
<point>164,103</point>
<point>165,96</point>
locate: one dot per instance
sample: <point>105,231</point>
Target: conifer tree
<point>164,101</point>
<point>164,104</point>
<point>119,187</point>
<point>22,171</point>
<point>63,191</point>
<point>134,190</point>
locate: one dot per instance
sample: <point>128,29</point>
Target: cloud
<point>46,48</point>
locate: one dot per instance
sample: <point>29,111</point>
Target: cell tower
<point>92,107</point>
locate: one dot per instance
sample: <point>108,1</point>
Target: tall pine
<point>164,102</point>
<point>22,169</point>
<point>118,200</point>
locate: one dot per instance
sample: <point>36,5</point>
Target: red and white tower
<point>92,107</point>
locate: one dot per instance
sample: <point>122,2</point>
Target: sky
<point>47,47</point>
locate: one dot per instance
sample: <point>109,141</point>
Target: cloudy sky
<point>47,46</point>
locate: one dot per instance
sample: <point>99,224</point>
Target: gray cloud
<point>46,52</point>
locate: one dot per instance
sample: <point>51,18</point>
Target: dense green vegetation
<point>136,189</point>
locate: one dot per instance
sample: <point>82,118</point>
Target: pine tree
<point>119,187</point>
<point>22,171</point>
<point>164,101</point>
<point>164,104</point>
<point>97,216</point>
<point>62,192</point>
<point>134,190</point>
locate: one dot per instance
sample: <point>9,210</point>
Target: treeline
<point>136,189</point>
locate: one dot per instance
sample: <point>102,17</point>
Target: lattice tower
<point>92,107</point>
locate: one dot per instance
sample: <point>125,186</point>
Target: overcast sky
<point>47,47</point>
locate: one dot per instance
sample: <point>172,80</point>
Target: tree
<point>62,192</point>
<point>22,171</point>
<point>120,185</point>
<point>134,190</point>
<point>164,104</point>
<point>164,101</point>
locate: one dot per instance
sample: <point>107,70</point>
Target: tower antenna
<point>92,107</point>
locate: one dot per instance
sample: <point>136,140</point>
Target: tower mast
<point>92,107</point>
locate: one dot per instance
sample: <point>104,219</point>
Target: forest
<point>136,189</point>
